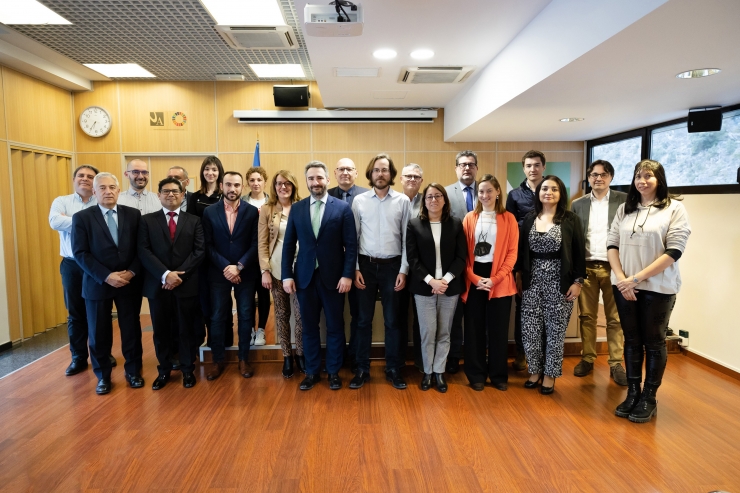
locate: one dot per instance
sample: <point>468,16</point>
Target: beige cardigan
<point>267,233</point>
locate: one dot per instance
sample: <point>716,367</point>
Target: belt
<point>545,255</point>
<point>376,260</point>
<point>604,262</point>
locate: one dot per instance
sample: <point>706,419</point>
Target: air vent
<point>258,37</point>
<point>434,75</point>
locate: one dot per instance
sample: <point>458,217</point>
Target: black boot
<point>439,382</point>
<point>646,407</point>
<point>633,396</point>
<point>300,362</point>
<point>287,366</point>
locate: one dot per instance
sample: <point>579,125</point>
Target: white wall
<point>707,305</point>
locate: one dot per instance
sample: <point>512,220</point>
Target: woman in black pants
<point>647,237</point>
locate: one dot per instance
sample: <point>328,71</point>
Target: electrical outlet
<point>683,333</point>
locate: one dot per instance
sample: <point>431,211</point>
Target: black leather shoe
<point>426,382</point>
<point>103,386</point>
<point>335,383</point>
<point>288,367</point>
<point>359,379</point>
<point>300,362</point>
<point>529,384</point>
<point>309,382</point>
<point>478,386</point>
<point>354,366</point>
<point>633,397</point>
<point>175,362</point>
<point>134,381</point>
<point>75,367</point>
<point>547,390</point>
<point>395,378</point>
<point>188,379</point>
<point>439,383</point>
<point>113,362</point>
<point>453,366</point>
<point>161,381</point>
<point>646,407</point>
<point>503,386</point>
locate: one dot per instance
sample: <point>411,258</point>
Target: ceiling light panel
<point>570,120</point>
<point>384,54</point>
<point>28,12</point>
<point>278,71</point>
<point>120,70</point>
<point>698,73</point>
<point>245,12</point>
<point>422,54</point>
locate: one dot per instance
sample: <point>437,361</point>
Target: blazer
<point>159,254</point>
<point>98,256</point>
<point>458,207</point>
<point>335,247</point>
<point>422,255</point>
<point>224,248</point>
<point>582,208</point>
<point>268,229</point>
<point>504,255</point>
<point>336,192</point>
<point>572,251</point>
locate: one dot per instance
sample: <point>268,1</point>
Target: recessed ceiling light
<point>29,12</point>
<point>120,69</point>
<point>571,119</point>
<point>384,54</point>
<point>698,73</point>
<point>245,12</point>
<point>422,54</point>
<point>273,70</point>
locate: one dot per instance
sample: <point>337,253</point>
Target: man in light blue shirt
<point>137,196</point>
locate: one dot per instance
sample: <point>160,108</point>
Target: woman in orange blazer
<point>492,236</point>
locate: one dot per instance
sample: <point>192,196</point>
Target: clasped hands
<point>343,286</point>
<point>172,280</point>
<point>627,286</point>
<point>439,286</point>
<point>120,278</point>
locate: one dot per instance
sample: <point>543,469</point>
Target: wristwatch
<point>635,280</point>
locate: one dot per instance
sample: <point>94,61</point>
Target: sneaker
<point>251,340</point>
<point>259,337</point>
<point>583,368</point>
<point>618,375</point>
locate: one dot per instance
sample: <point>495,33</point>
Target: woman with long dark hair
<point>552,264</point>
<point>648,236</point>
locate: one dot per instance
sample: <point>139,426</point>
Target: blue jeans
<point>76,312</point>
<point>221,316</point>
<point>379,278</point>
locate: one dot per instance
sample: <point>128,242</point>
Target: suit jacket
<point>224,248</point>
<point>458,207</point>
<point>422,255</point>
<point>582,208</point>
<point>336,192</point>
<point>159,254</point>
<point>98,256</point>
<point>268,229</point>
<point>335,247</point>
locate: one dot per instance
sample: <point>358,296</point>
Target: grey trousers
<point>435,322</point>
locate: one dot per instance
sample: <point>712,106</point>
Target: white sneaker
<point>251,340</point>
<point>259,337</point>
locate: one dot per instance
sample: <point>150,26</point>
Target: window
<point>623,154</point>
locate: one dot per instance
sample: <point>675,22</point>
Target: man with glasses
<point>171,247</point>
<point>181,174</point>
<point>411,180</point>
<point>137,196</point>
<point>381,217</point>
<point>463,196</point>
<point>346,190</point>
<point>596,211</point>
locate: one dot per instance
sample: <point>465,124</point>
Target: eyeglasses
<point>432,198</point>
<point>137,172</point>
<point>346,170</point>
<point>412,177</point>
<point>383,170</point>
<point>466,165</point>
<point>170,192</point>
<point>283,184</point>
<point>596,176</point>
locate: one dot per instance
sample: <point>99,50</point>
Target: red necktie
<point>172,225</point>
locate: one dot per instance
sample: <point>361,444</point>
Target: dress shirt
<point>167,218</point>
<point>415,206</point>
<point>258,203</point>
<point>231,213</point>
<point>105,211</point>
<point>60,219</point>
<point>351,194</point>
<point>465,194</point>
<point>598,229</point>
<point>437,235</point>
<point>381,225</point>
<point>322,208</point>
<point>146,201</point>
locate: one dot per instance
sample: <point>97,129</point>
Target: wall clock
<point>95,121</point>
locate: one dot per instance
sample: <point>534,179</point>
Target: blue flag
<point>256,161</point>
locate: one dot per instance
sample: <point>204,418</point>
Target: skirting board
<point>711,364</point>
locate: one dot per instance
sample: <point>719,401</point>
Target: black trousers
<point>518,325</point>
<point>486,327</point>
<point>456,332</point>
<point>100,332</point>
<point>262,307</point>
<point>76,312</point>
<point>168,312</point>
<point>407,300</point>
<point>644,323</point>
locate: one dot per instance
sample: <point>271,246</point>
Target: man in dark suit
<point>325,228</point>
<point>596,210</point>
<point>230,228</point>
<point>104,242</point>
<point>171,247</point>
<point>346,190</point>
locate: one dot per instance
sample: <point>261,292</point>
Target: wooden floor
<point>263,434</point>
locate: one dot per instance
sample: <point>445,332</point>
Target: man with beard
<point>230,229</point>
<point>322,273</point>
<point>137,196</point>
<point>381,216</point>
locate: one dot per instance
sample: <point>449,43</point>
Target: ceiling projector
<point>343,19</point>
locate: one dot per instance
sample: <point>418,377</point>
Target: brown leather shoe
<point>245,369</point>
<point>215,370</point>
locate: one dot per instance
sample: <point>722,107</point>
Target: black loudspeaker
<point>705,121</point>
<point>290,96</point>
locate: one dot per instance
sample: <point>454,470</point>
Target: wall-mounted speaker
<point>291,96</point>
<point>704,120</point>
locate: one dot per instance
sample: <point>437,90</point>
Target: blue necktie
<point>112,226</point>
<point>345,197</point>
<point>469,198</point>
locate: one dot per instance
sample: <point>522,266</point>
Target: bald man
<point>346,190</point>
<point>137,196</point>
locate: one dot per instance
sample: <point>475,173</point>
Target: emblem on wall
<point>168,120</point>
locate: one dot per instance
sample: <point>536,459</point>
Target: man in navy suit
<point>104,243</point>
<point>171,248</point>
<point>230,228</point>
<point>325,228</point>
